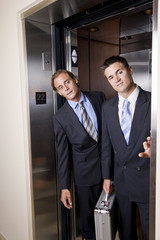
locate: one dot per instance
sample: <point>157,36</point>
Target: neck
<point>78,97</point>
<point>128,92</point>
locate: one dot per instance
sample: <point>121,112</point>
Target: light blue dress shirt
<point>88,106</point>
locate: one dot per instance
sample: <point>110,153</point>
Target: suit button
<point>124,166</point>
<point>138,168</point>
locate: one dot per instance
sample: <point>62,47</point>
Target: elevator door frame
<point>69,28</point>
<point>156,46</point>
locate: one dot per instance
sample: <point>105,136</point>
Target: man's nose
<point>65,87</point>
<point>117,78</point>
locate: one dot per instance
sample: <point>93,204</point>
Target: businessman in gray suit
<point>77,149</point>
<point>121,144</point>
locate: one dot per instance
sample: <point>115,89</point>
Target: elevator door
<point>41,102</point>
<point>87,50</point>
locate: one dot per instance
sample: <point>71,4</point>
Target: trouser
<point>87,198</point>
<point>127,228</point>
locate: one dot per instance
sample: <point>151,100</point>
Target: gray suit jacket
<point>119,160</point>
<point>75,147</point>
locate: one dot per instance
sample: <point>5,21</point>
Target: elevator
<point>77,36</point>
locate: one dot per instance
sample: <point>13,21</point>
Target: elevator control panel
<point>46,61</point>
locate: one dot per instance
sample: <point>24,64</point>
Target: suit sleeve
<point>107,157</point>
<point>103,98</point>
<point>64,158</point>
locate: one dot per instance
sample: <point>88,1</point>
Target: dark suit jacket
<point>75,146</point>
<point>131,173</point>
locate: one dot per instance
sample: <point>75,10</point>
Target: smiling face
<point>120,78</point>
<point>67,87</point>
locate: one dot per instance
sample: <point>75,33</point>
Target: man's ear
<point>130,70</point>
<point>77,82</point>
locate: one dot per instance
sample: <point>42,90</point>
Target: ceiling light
<point>93,29</point>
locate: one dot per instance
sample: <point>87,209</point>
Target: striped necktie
<point>87,123</point>
<point>126,120</point>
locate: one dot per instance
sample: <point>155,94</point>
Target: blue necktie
<point>87,123</point>
<point>126,120</point>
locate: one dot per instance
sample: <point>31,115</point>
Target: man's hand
<point>107,185</point>
<point>147,148</point>
<point>66,198</point>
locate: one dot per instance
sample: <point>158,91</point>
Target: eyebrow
<point>63,82</point>
<point>115,72</point>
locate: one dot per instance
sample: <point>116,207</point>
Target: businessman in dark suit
<point>77,148</point>
<point>120,157</point>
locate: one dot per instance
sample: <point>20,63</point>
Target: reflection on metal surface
<point>140,62</point>
<point>62,9</point>
<point>42,141</point>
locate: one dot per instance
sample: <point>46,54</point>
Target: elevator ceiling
<point>65,9</point>
<point>62,9</point>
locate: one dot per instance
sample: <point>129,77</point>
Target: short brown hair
<point>57,73</point>
<point>113,59</point>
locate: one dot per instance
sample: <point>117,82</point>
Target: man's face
<point>120,78</point>
<point>67,87</point>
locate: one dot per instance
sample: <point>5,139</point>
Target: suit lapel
<point>70,114</point>
<point>115,121</point>
<point>138,120</point>
<point>141,110</point>
<point>96,109</point>
<point>116,133</point>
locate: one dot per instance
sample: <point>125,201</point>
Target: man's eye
<point>67,81</point>
<point>60,88</point>
<point>110,78</point>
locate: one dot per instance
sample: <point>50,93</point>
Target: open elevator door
<point>88,43</point>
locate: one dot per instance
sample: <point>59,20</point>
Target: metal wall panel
<point>140,61</point>
<point>41,122</point>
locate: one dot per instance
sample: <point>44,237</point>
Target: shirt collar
<point>132,97</point>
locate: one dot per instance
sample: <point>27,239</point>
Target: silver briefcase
<point>105,216</point>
